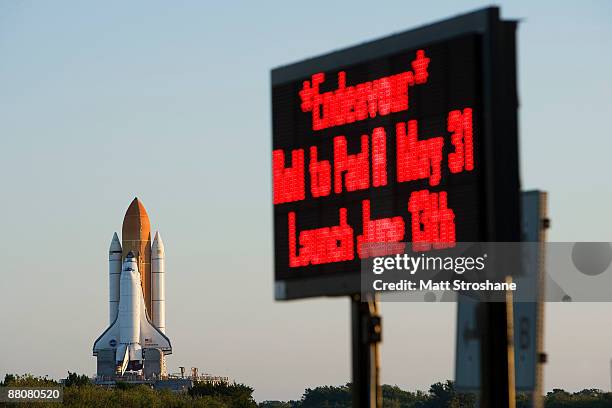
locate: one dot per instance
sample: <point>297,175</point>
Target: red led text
<point>349,104</point>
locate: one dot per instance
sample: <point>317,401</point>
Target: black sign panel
<point>411,138</point>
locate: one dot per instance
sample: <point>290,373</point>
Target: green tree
<point>28,380</point>
<point>395,397</point>
<point>444,395</point>
<point>75,380</point>
<point>441,394</point>
<point>327,397</point>
<point>275,404</point>
<point>8,379</point>
<point>235,395</point>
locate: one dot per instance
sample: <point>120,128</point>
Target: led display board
<point>411,138</point>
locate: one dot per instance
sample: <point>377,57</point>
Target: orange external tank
<point>136,237</point>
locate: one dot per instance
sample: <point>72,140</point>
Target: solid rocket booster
<point>158,290</point>
<point>114,273</point>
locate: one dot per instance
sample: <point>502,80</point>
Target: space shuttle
<point>135,339</point>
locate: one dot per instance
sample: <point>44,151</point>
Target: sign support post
<point>497,354</point>
<point>366,330</point>
<point>501,102</point>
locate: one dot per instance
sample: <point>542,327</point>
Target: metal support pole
<point>497,354</point>
<point>366,331</point>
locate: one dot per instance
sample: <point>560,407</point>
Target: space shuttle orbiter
<point>136,301</point>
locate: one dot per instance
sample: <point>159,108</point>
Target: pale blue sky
<point>169,101</point>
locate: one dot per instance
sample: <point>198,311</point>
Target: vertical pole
<point>497,354</point>
<point>538,392</point>
<point>510,340</point>
<point>366,332</point>
<point>494,355</point>
<point>503,222</point>
<point>611,374</point>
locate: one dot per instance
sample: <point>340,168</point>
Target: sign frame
<point>500,195</point>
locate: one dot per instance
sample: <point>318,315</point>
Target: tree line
<point>439,395</point>
<point>80,392</point>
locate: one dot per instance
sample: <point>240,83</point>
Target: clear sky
<point>170,102</point>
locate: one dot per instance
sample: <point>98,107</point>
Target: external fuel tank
<point>136,238</point>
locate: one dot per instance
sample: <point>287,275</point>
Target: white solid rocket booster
<point>114,274</point>
<point>158,289</point>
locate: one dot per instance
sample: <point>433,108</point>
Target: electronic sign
<point>411,138</point>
